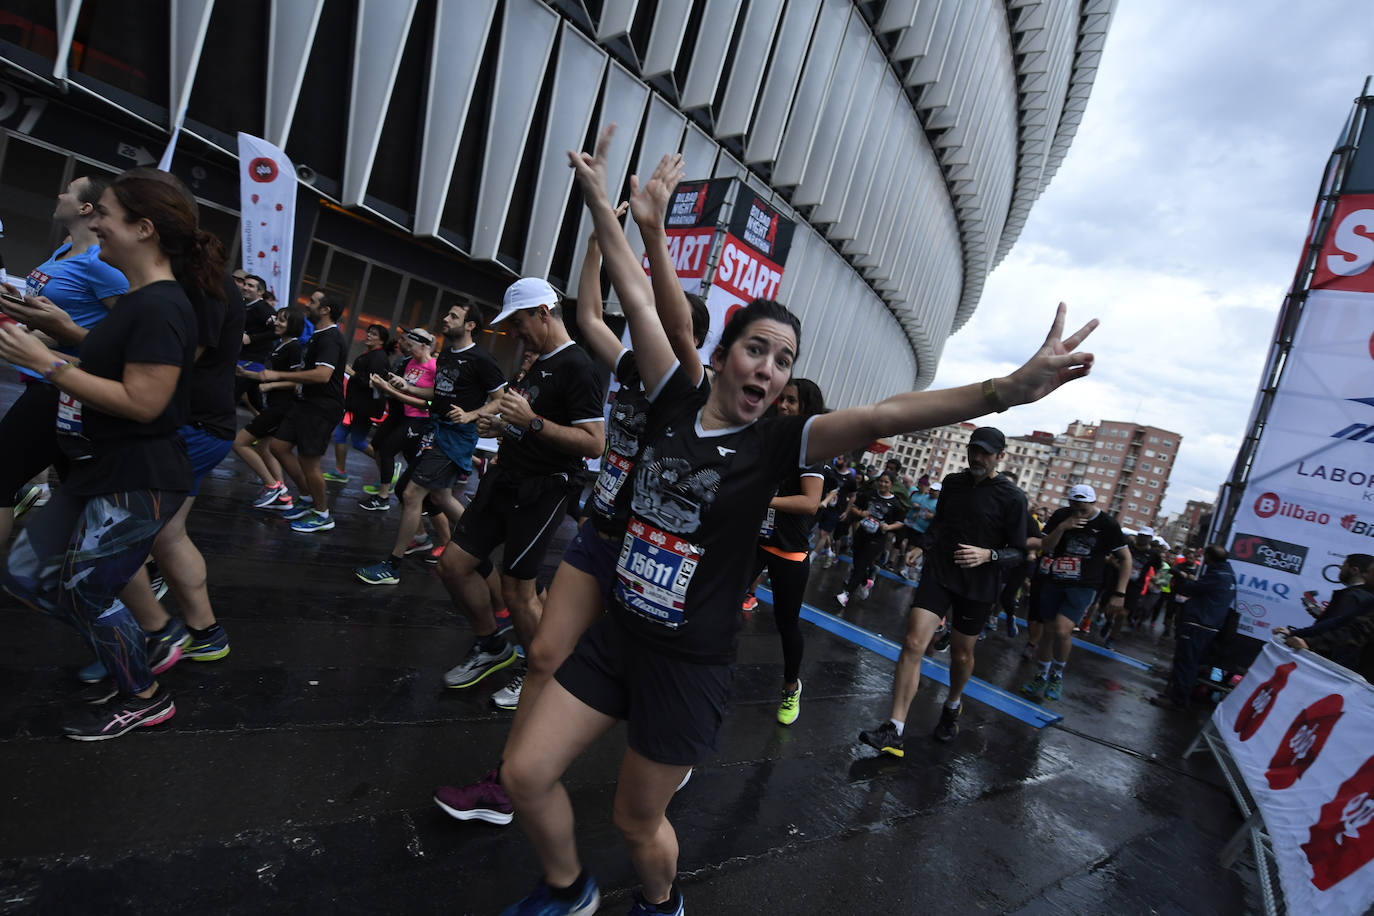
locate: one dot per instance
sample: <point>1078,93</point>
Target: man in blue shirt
<point>1211,598</point>
<point>64,297</point>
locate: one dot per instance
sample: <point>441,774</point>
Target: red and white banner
<point>267,207</point>
<point>1310,499</point>
<point>1300,732</point>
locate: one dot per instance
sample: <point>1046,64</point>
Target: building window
<point>1154,440</point>
<point>1135,493</point>
<point>1167,443</point>
<point>1131,506</point>
<point>1149,497</point>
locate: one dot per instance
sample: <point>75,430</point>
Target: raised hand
<point>590,168</point>
<point>649,203</point>
<point>1057,362</point>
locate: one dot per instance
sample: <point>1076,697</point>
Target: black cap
<point>989,439</point>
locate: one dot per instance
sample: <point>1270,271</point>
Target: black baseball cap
<point>989,439</point>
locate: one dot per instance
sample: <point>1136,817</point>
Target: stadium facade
<point>907,139</point>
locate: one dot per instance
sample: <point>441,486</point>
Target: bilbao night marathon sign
<point>1310,499</point>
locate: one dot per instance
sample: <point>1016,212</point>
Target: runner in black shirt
<point>259,336</point>
<point>979,530</point>
<point>251,444</point>
<point>1078,540</point>
<point>312,418</point>
<point>661,659</point>
<point>875,514</point>
<point>118,419</point>
<point>1145,562</point>
<point>363,404</point>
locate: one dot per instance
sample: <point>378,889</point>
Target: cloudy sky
<point>1177,218</point>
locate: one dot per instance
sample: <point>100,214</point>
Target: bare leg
<point>314,481</point>
<point>641,804</point>
<point>264,450</point>
<point>341,457</point>
<point>458,570</point>
<point>139,598</point>
<point>282,452</point>
<point>243,448</point>
<point>560,728</point>
<point>524,606</point>
<point>410,518</point>
<point>184,567</point>
<point>960,664</point>
<point>920,628</point>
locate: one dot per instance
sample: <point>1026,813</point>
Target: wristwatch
<point>992,555</point>
<point>537,424</point>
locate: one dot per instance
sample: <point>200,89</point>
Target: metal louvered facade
<point>907,138</point>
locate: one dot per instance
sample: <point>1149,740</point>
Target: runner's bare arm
<point>648,204</point>
<point>600,339</point>
<point>1056,363</point>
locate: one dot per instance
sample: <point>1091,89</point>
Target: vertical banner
<point>267,207</point>
<point>752,256</point>
<point>1299,731</point>
<point>1309,501</point>
<point>690,226</point>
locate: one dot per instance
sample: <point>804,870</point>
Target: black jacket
<point>1210,596</point>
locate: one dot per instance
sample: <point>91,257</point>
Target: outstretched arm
<point>652,350</point>
<point>590,320</point>
<point>648,204</point>
<point>1056,362</point>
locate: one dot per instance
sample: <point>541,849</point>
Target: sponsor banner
<point>742,274</point>
<point>1299,730</point>
<point>760,226</point>
<point>1310,498</point>
<point>267,206</point>
<point>1344,263</point>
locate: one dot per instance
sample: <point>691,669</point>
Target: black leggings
<point>788,579</point>
<point>866,550</point>
<point>389,440</point>
<point>29,431</point>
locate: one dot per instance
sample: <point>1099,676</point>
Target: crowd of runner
<point>716,471</point>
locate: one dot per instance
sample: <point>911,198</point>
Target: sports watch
<point>537,424</point>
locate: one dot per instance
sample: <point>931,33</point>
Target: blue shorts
<point>457,441</point>
<point>1064,600</point>
<point>357,432</point>
<point>595,554</point>
<point>205,452</point>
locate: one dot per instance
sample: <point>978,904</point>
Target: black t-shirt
<point>878,511</point>
<point>362,399</point>
<point>153,324</point>
<point>629,414</point>
<point>287,357</point>
<point>989,513</point>
<point>464,378</point>
<point>1080,557</point>
<point>257,324</point>
<point>790,532</point>
<point>219,324</point>
<point>326,348</point>
<point>561,388</point>
<point>1142,561</point>
<point>689,545</point>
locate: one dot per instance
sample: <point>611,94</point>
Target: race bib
<point>615,470</point>
<point>769,523</point>
<point>653,573</point>
<point>69,416</point>
<point>1067,567</point>
<point>869,525</point>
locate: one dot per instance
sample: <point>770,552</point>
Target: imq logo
<point>262,170</point>
<point>1269,553</point>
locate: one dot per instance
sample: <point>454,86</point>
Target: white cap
<point>1082,493</point>
<point>936,487</point>
<point>525,293</point>
<point>1147,531</point>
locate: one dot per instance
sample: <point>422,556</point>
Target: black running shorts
<point>965,615</point>
<point>309,427</point>
<point>521,513</point>
<point>673,707</point>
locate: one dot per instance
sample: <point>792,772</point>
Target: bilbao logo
<point>1269,505</point>
<point>262,169</point>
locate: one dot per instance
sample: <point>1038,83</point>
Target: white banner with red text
<point>1300,730</point>
<point>1310,499</point>
<point>267,208</point>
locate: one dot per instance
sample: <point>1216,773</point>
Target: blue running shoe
<point>210,648</point>
<point>302,507</point>
<point>383,573</point>
<point>643,907</point>
<point>1054,689</point>
<point>1035,688</point>
<point>93,673</point>
<point>313,522</point>
<point>542,903</point>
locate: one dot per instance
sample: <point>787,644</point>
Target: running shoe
<point>863,591</point>
<point>268,495</point>
<point>948,726</point>
<point>941,641</point>
<point>478,664</point>
<point>843,599</point>
<point>868,583</point>
<point>282,503</point>
<point>121,715</point>
<point>1012,628</point>
<point>102,691</point>
<point>419,545</point>
<point>158,583</point>
<point>885,739</point>
<point>750,602</point>
<point>383,573</point>
<point>29,500</point>
<point>93,673</point>
<point>211,647</point>
<point>1035,688</point>
<point>508,697</point>
<point>314,522</point>
<point>433,557</point>
<point>396,468</point>
<point>335,477</point>
<point>1109,645</point>
<point>828,560</point>
<point>303,507</point>
<point>371,489</point>
<point>790,707</point>
<point>484,800</point>
<point>643,907</point>
<point>375,504</point>
<point>1028,652</point>
<point>166,646</point>
<point>1054,688</point>
<point>503,622</point>
<point>541,902</point>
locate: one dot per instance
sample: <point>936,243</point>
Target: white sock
<point>955,704</point>
<point>900,726</point>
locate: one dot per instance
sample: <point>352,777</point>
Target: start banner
<point>267,208</point>
<point>752,256</point>
<point>1299,730</point>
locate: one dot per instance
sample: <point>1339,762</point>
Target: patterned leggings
<point>73,558</point>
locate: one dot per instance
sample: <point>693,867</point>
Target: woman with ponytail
<point>121,405</point>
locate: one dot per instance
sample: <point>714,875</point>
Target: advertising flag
<point>267,206</point>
